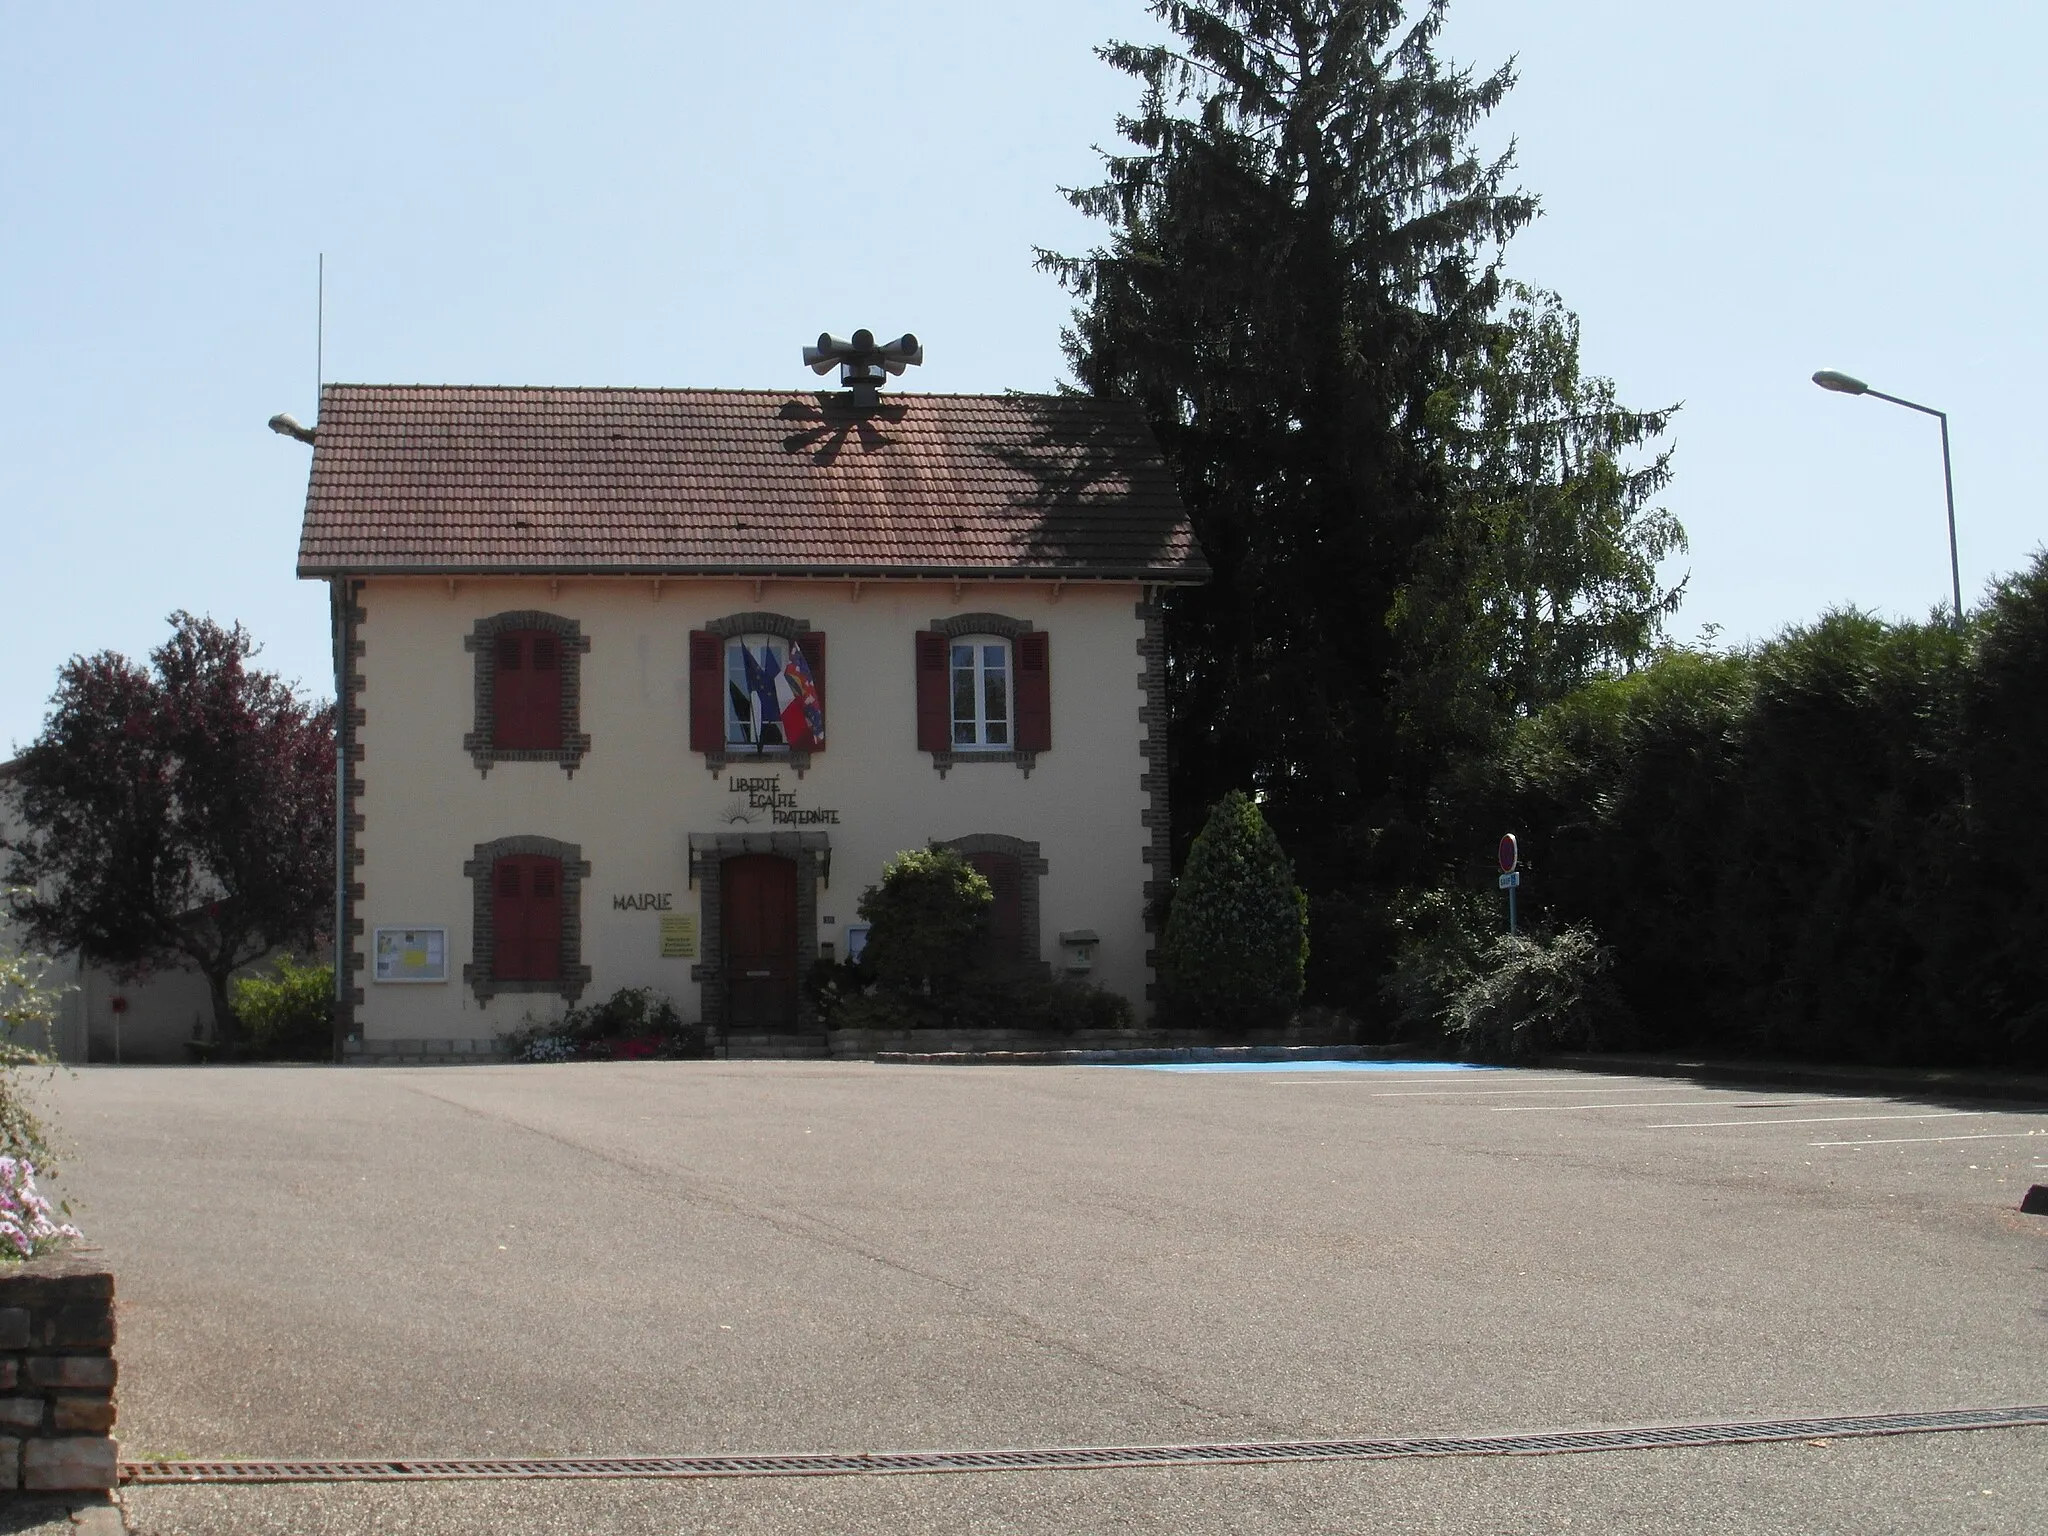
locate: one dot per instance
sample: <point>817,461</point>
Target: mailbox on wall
<point>1078,949</point>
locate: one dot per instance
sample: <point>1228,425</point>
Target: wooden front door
<point>760,944</point>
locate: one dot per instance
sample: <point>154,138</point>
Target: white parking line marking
<point>1942,1114</point>
<point>1517,1109</point>
<point>1892,1141</point>
<point>1354,1079</point>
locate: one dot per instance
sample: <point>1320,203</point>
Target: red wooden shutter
<point>812,643</point>
<point>707,692</point>
<point>508,920</point>
<point>526,691</point>
<point>544,920</point>
<point>934,712</point>
<point>1034,693</point>
<point>508,690</point>
<point>526,919</point>
<point>544,692</point>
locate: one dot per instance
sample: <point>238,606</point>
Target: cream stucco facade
<point>423,808</point>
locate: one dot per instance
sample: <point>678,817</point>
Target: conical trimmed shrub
<point>1237,936</point>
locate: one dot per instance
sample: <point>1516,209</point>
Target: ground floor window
<point>1012,866</point>
<point>1003,933</point>
<point>527,925</point>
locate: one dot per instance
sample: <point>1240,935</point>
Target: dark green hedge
<point>1829,846</point>
<point>1237,931</point>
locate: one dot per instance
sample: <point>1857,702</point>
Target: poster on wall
<point>679,937</point>
<point>412,954</point>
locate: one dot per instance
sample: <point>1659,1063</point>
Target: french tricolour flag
<point>797,700</point>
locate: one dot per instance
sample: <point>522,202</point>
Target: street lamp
<point>1843,384</point>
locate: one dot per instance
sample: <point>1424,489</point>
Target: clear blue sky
<point>682,194</point>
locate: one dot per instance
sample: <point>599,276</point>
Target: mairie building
<point>642,688</point>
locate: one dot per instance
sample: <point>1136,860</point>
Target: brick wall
<point>57,1373</point>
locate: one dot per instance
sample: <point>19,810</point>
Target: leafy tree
<point>1388,454</point>
<point>924,920</point>
<point>1819,846</point>
<point>178,815</point>
<point>1545,572</point>
<point>1237,934</point>
<point>2001,903</point>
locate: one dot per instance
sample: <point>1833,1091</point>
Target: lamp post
<point>1843,384</point>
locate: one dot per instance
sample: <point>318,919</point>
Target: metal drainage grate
<point>1075,1458</point>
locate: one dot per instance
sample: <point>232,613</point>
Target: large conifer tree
<point>1302,287</point>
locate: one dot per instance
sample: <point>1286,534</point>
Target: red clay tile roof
<point>434,480</point>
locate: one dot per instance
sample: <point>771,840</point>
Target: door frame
<point>812,853</point>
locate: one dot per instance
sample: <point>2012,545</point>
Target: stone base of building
<point>358,1052</point>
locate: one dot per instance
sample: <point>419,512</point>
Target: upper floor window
<point>984,691</point>
<point>529,690</point>
<point>981,693</point>
<point>757,688</point>
<point>527,702</point>
<point>772,701</point>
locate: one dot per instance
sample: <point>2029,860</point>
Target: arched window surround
<point>481,642</point>
<point>1031,865</point>
<point>478,973</point>
<point>731,627</point>
<point>1004,627</point>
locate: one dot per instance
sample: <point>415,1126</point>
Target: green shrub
<point>886,1012</point>
<point>925,965</point>
<point>924,921</point>
<point>998,998</point>
<point>287,1015</point>
<point>1237,936</point>
<point>1069,1006</point>
<point>1533,995</point>
<point>1441,947</point>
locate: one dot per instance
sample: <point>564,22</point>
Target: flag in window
<point>742,710</point>
<point>802,710</point>
<point>762,683</point>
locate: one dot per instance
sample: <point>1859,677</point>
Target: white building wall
<point>640,791</point>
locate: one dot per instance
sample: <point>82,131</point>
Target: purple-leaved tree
<point>177,815</point>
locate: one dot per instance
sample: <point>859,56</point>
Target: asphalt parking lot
<point>666,1258</point>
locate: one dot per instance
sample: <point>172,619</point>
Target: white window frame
<point>737,745</point>
<point>981,721</point>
